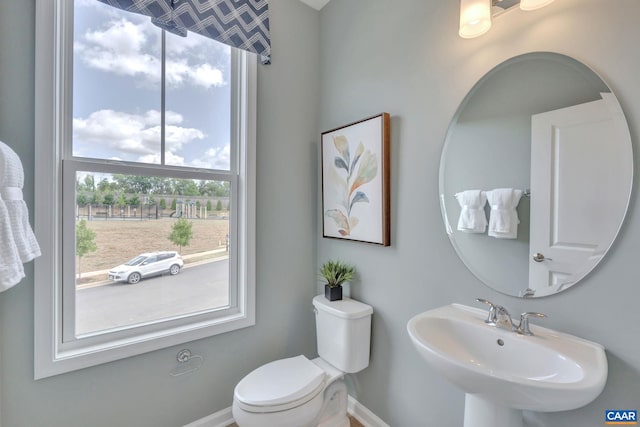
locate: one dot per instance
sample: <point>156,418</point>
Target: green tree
<point>163,204</point>
<point>134,200</point>
<point>82,199</point>
<point>181,233</point>
<point>133,183</point>
<point>209,207</point>
<point>109,199</point>
<point>186,187</point>
<point>160,185</point>
<point>173,204</point>
<point>85,242</point>
<point>219,205</point>
<point>122,201</point>
<point>215,188</point>
<point>104,185</point>
<point>95,199</point>
<point>89,183</point>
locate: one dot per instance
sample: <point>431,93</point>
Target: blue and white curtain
<point>239,23</point>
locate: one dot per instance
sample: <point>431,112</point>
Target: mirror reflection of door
<point>576,154</point>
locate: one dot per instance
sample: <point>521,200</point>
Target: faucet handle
<point>523,327</point>
<point>493,311</point>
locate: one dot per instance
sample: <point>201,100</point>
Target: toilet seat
<point>280,385</point>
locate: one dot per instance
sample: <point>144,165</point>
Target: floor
<point>354,423</point>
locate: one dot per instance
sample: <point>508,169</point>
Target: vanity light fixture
<point>475,18</point>
<point>475,15</point>
<point>534,4</point>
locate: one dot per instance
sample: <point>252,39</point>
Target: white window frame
<point>55,353</point>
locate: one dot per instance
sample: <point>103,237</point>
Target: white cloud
<point>215,158</point>
<point>119,50</point>
<point>122,36</point>
<point>125,48</point>
<point>205,75</point>
<point>136,137</point>
<point>133,136</point>
<point>169,159</point>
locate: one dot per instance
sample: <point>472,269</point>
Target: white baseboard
<point>363,414</point>
<point>219,419</point>
<point>224,417</point>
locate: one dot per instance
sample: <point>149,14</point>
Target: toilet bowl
<point>298,392</point>
<point>293,392</point>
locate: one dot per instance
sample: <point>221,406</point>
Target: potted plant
<point>335,273</point>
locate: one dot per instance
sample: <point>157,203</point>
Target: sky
<point>116,92</point>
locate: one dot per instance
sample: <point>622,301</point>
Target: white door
<point>573,191</point>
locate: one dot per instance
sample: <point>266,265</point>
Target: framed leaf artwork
<point>355,181</point>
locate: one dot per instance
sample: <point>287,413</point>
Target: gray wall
<point>405,57</point>
<point>400,56</point>
<point>139,391</point>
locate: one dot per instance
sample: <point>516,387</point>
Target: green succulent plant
<point>335,273</point>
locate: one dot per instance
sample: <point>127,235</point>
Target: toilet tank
<point>343,331</point>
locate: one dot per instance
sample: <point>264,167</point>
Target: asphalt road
<point>194,289</point>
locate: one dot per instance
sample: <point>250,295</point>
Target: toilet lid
<point>280,382</point>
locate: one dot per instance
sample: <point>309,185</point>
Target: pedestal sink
<point>502,372</point>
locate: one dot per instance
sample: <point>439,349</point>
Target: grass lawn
<point>120,240</point>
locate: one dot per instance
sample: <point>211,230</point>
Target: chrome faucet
<point>503,319</point>
<point>523,327</point>
<point>500,318</point>
<point>498,315</point>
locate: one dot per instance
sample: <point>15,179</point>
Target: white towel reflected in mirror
<point>472,217</point>
<point>503,217</point>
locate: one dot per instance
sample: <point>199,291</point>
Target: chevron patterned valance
<point>239,23</point>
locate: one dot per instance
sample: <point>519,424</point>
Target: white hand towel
<point>472,218</point>
<point>22,246</point>
<point>11,270</point>
<point>503,217</point>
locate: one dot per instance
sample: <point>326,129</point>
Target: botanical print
<point>348,183</point>
<point>355,196</point>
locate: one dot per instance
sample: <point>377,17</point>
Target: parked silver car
<point>146,265</point>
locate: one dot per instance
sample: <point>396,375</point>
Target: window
<point>144,186</point>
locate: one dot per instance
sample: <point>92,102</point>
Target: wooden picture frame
<point>355,181</point>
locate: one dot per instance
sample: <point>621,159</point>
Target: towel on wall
<point>11,270</point>
<point>17,242</point>
<point>472,218</point>
<point>503,217</point>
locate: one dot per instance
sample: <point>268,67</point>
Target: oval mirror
<point>536,174</point>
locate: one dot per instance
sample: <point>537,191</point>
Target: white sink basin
<point>550,371</point>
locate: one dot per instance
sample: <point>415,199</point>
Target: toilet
<point>298,392</point>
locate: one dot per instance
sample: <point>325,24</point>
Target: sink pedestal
<point>481,412</point>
